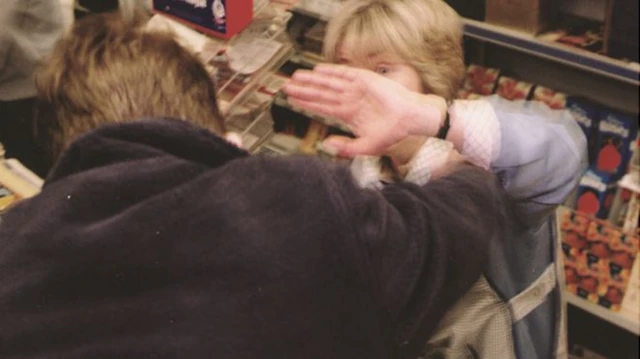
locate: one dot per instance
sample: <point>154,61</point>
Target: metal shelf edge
<point>615,318</point>
<point>556,52</point>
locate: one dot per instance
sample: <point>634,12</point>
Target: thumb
<point>348,147</point>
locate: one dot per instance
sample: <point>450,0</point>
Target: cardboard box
<point>530,16</point>
<point>595,194</point>
<point>480,80</point>
<point>598,263</point>
<point>552,98</point>
<point>512,89</point>
<point>220,18</point>
<point>587,114</point>
<point>616,137</point>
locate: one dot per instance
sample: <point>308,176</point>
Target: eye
<point>382,70</point>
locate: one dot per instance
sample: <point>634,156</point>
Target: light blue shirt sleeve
<point>542,156</point>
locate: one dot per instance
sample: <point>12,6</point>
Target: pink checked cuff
<point>482,135</point>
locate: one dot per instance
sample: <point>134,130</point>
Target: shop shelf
<point>281,101</point>
<point>623,320</point>
<point>582,59</point>
<point>269,24</point>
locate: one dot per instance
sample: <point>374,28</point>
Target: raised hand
<point>379,111</point>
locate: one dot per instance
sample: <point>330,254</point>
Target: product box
<point>595,194</point>
<point>220,18</point>
<point>610,250</point>
<point>530,16</point>
<point>512,89</point>
<point>626,206</point>
<point>587,115</point>
<point>598,259</point>
<point>574,226</point>
<point>552,98</point>
<point>481,80</point>
<point>616,137</point>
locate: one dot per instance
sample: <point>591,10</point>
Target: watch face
<point>444,129</point>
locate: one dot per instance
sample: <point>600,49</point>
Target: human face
<point>393,68</point>
<point>385,64</point>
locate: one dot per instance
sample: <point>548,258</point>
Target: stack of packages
<point>16,182</point>
<point>598,259</point>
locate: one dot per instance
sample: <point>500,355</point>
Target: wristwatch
<point>444,129</point>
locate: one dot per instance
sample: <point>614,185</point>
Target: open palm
<point>378,110</point>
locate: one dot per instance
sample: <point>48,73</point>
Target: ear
<point>234,139</point>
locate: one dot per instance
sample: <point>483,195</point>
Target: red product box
<point>481,80</point>
<point>616,135</point>
<point>220,18</point>
<point>595,194</point>
<point>554,99</point>
<point>512,89</point>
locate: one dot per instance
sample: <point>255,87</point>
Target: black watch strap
<point>444,129</point>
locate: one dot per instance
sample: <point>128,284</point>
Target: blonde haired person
<point>538,155</point>
<point>153,236</point>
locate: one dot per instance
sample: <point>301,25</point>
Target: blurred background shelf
<point>281,101</point>
<point>581,59</point>
<point>619,319</point>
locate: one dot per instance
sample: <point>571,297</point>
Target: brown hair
<point>109,70</point>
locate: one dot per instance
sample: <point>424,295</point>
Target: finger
<point>322,109</point>
<point>314,79</point>
<point>343,72</point>
<point>349,147</point>
<point>305,93</point>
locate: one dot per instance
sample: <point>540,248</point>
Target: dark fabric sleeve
<point>422,248</point>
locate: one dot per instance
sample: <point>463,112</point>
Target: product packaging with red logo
<point>512,89</point>
<point>481,80</point>
<point>554,99</point>
<point>220,18</point>
<point>616,135</point>
<point>595,194</point>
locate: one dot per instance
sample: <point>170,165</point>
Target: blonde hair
<point>427,34</point>
<point>110,70</point>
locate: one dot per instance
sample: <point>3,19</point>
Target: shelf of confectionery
<point>626,318</point>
